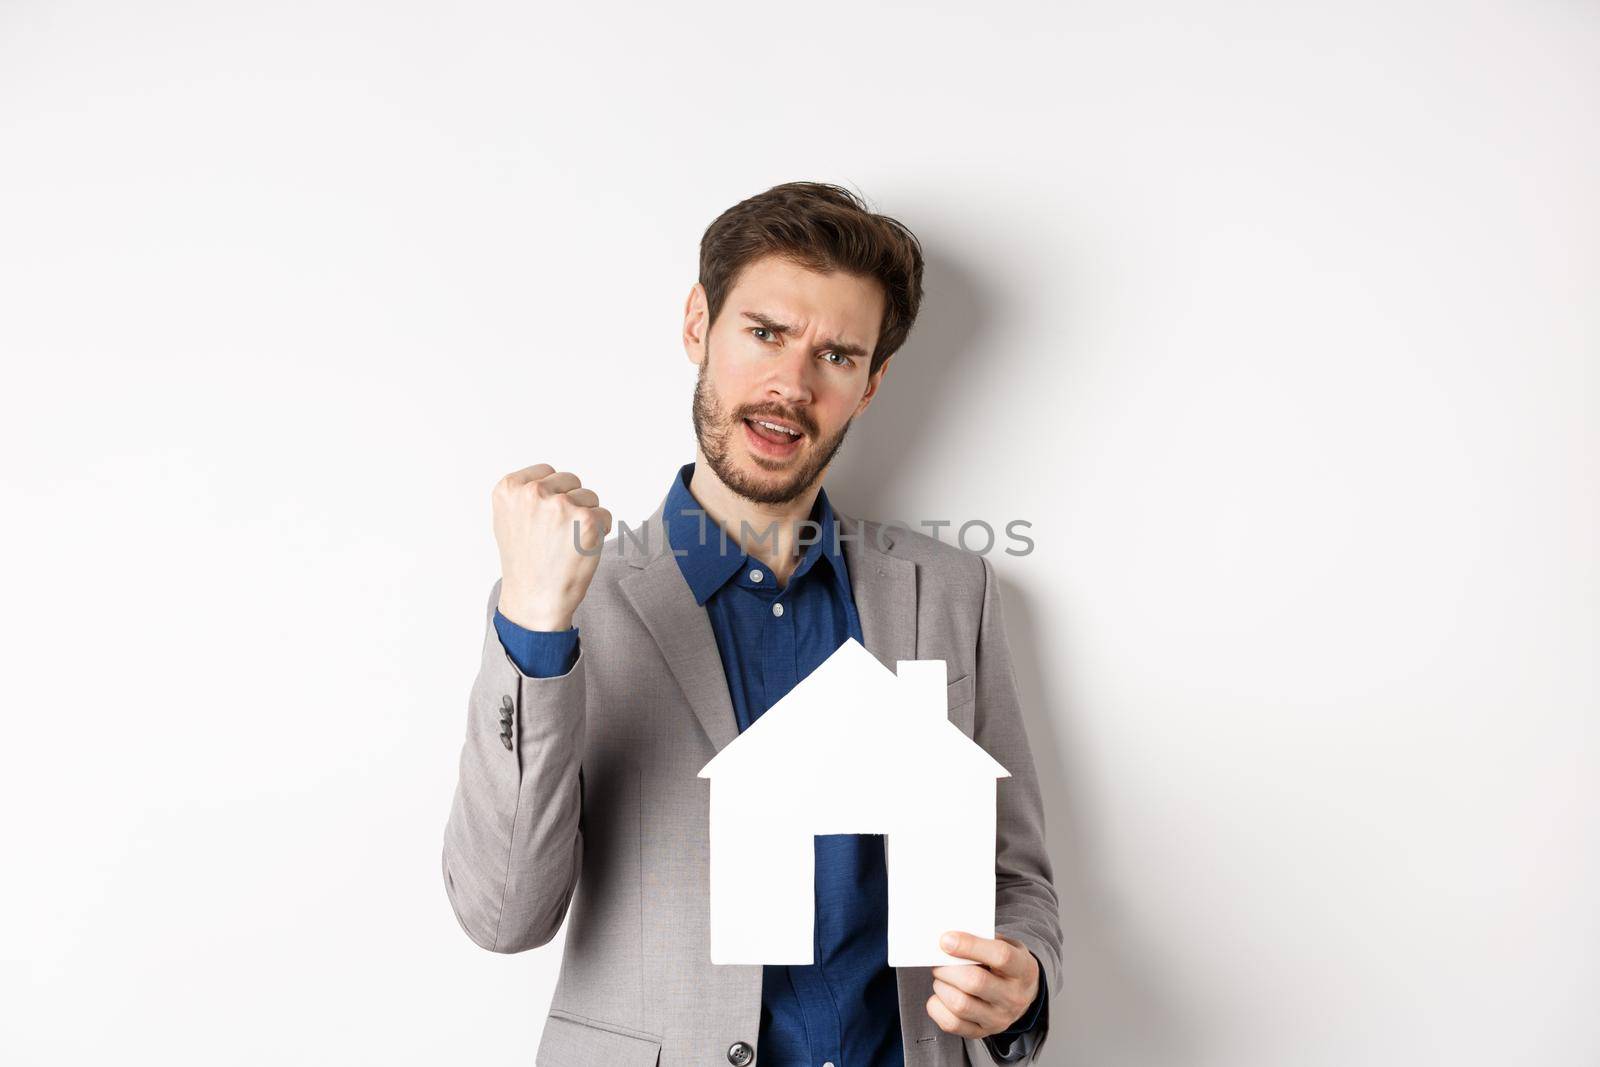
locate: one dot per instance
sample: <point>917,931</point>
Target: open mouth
<point>772,438</point>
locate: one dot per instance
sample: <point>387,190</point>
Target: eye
<point>844,361</point>
<point>760,330</point>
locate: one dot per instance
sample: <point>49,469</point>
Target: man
<point>578,779</point>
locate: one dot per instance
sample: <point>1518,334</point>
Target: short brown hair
<point>823,228</point>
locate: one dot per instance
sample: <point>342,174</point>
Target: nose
<point>789,381</point>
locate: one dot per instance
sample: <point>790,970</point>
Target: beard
<point>715,430</point>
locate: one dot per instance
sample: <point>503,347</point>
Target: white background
<point>1277,320</point>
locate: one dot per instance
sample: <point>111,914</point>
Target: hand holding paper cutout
<point>984,998</point>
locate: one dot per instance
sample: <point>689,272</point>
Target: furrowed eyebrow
<point>840,347</point>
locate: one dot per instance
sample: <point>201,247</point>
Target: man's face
<point>791,346</point>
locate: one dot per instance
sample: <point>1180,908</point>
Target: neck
<point>772,536</point>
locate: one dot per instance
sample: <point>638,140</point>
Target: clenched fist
<point>541,518</point>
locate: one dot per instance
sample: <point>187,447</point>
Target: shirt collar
<point>710,557</point>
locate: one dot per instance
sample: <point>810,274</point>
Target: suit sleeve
<point>513,843</point>
<point>1027,907</point>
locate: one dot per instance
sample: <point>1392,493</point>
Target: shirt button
<point>828,1064</point>
<point>755,576</point>
<point>777,609</point>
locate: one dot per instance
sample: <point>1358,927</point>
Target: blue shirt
<point>843,1008</point>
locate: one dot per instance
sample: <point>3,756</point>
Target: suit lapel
<point>681,629</point>
<point>885,591</point>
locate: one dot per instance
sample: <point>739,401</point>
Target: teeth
<point>780,429</point>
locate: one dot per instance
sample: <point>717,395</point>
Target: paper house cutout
<point>854,748</point>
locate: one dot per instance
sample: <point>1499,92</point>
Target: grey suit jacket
<point>592,811</point>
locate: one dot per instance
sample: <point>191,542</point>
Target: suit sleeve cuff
<point>538,653</point>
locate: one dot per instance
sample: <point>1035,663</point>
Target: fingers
<point>559,482</point>
<point>949,1022</point>
<point>550,480</point>
<point>967,1010</point>
<point>969,978</point>
<point>591,525</point>
<point>997,955</point>
<point>529,474</point>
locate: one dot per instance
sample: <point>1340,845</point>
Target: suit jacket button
<point>505,739</point>
<point>505,704</point>
<point>740,1054</point>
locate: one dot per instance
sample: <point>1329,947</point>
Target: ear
<point>872,386</point>
<point>696,324</point>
